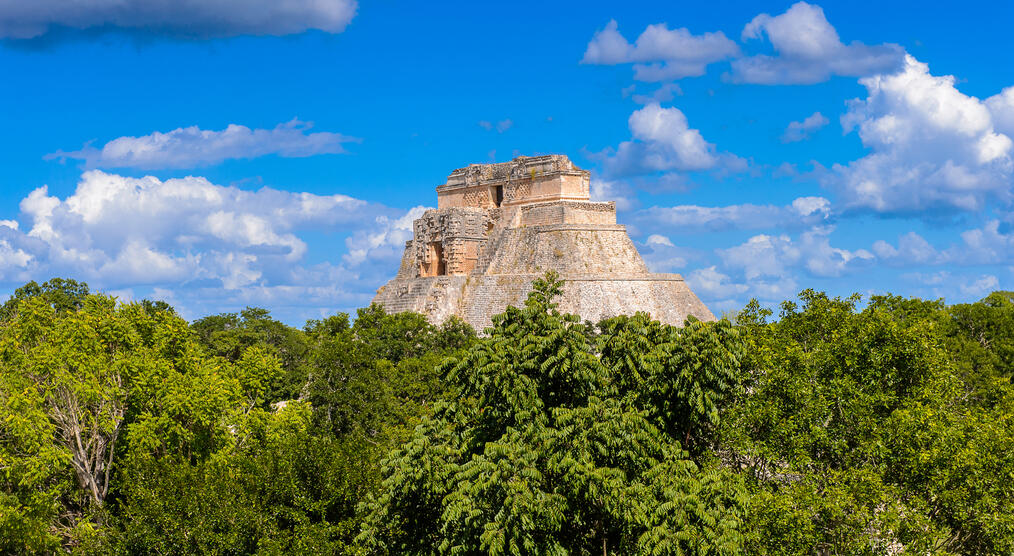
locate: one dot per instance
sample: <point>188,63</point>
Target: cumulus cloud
<point>662,141</point>
<point>981,287</point>
<point>185,18</point>
<point>768,267</point>
<point>192,147</point>
<point>808,50</point>
<point>720,290</point>
<point>933,147</point>
<point>802,212</point>
<point>211,244</point>
<point>385,240</point>
<point>990,244</point>
<point>798,131</point>
<point>1001,107</point>
<point>912,248</point>
<point>709,283</point>
<point>14,260</point>
<point>776,256</point>
<point>659,53</point>
<point>662,255</point>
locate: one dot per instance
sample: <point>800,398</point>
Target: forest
<point>882,425</point>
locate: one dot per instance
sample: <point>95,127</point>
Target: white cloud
<point>618,192</point>
<point>192,147</point>
<point>934,279</point>
<point>662,141</point>
<point>1001,107</point>
<point>386,240</point>
<point>798,131</point>
<point>912,249</point>
<point>662,255</point>
<point>808,51</point>
<point>990,244</point>
<point>954,288</point>
<point>660,53</point>
<point>993,243</point>
<point>933,147</point>
<point>984,285</point>
<point>768,267</point>
<point>712,284</point>
<point>667,129</point>
<point>212,245</point>
<point>777,256</point>
<point>762,255</point>
<point>723,291</point>
<point>656,239</point>
<point>187,18</point>
<point>166,222</point>
<point>802,212</point>
<point>12,258</point>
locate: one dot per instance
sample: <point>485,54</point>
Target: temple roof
<point>518,168</point>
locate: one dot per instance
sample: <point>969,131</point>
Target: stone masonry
<point>498,227</point>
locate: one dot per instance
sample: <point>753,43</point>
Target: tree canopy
<point>831,429</point>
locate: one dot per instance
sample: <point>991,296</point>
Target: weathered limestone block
<point>498,227</point>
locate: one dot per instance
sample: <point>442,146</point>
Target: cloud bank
<point>215,247</point>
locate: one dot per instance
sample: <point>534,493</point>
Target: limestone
<point>498,227</point>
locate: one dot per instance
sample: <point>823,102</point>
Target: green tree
<point>73,391</point>
<point>538,451</point>
<point>375,377</point>
<point>684,376</point>
<point>273,486</point>
<point>872,431</point>
<point>64,395</point>
<point>62,294</point>
<point>229,335</point>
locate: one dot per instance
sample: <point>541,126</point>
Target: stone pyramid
<point>498,227</point>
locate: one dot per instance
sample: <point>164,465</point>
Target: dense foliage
<point>547,449</point>
<point>880,430</point>
<point>832,429</point>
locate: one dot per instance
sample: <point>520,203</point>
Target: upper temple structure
<point>498,227</point>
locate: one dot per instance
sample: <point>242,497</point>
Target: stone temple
<point>498,227</point>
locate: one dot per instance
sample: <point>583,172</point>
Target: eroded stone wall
<point>456,236</point>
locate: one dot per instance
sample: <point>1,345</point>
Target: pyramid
<point>498,227</point>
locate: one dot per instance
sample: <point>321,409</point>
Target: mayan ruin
<point>498,227</point>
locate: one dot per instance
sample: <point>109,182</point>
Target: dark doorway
<point>499,194</point>
<point>433,264</point>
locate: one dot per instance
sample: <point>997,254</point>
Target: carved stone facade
<point>498,227</point>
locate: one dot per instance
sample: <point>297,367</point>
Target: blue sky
<point>219,154</point>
